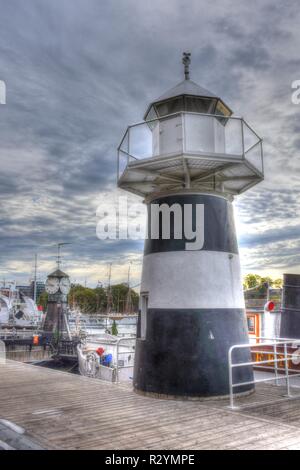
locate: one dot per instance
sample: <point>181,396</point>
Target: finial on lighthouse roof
<point>186,91</point>
<point>186,60</point>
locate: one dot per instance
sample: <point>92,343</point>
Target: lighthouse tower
<point>188,159</point>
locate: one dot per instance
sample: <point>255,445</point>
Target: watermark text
<point>122,219</point>
<point>2,92</point>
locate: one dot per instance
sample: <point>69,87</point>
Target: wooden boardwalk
<point>66,411</point>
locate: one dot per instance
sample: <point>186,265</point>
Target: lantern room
<point>189,139</point>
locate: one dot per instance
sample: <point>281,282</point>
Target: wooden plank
<point>72,412</point>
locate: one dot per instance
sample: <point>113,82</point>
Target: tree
<point>251,280</point>
<point>119,296</point>
<point>265,283</point>
<point>261,282</point>
<point>267,280</point>
<point>84,298</point>
<point>278,283</point>
<point>114,329</point>
<point>43,300</point>
<point>101,299</point>
<point>95,300</point>
<point>135,298</point>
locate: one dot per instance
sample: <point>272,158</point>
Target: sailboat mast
<point>109,296</point>
<point>34,279</point>
<point>128,298</point>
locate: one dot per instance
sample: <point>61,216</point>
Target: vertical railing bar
<point>183,132</point>
<point>117,369</point>
<point>275,363</point>
<point>118,165</point>
<point>230,378</point>
<point>243,142</point>
<point>118,354</point>
<point>128,146</point>
<point>286,366</point>
<point>262,157</point>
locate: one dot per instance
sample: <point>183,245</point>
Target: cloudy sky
<point>79,71</point>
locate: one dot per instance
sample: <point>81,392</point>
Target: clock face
<point>52,285</point>
<point>64,285</point>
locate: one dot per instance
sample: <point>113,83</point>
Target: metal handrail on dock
<point>18,333</point>
<point>2,352</point>
<point>118,367</point>
<point>261,364</point>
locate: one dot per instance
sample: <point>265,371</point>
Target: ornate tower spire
<point>186,60</point>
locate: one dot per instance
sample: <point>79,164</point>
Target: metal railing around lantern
<point>210,136</point>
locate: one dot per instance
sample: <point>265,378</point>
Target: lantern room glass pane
<point>170,136</point>
<point>169,107</point>
<point>233,137</point>
<point>208,134</point>
<point>199,133</point>
<point>250,138</point>
<point>140,141</point>
<point>151,115</point>
<point>122,162</point>
<point>199,105</point>
<point>254,156</point>
<point>222,110</point>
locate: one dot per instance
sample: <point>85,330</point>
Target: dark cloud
<point>256,58</point>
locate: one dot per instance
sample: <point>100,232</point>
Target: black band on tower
<point>219,227</point>
<point>185,352</point>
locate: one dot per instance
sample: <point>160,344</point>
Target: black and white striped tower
<point>188,159</point>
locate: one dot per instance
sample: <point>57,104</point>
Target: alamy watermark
<point>124,219</point>
<point>296,93</point>
<point>2,92</point>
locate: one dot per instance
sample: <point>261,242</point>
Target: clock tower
<point>57,287</point>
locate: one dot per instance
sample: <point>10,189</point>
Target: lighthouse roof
<point>186,87</point>
<point>187,96</point>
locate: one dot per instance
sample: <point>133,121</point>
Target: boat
<point>107,357</point>
<point>18,310</point>
<point>263,310</point>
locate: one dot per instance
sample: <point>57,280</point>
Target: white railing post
<point>275,363</point>
<point>286,367</point>
<point>230,378</point>
<point>117,368</point>
<point>2,352</point>
<point>183,133</point>
<point>123,340</point>
<point>243,137</point>
<point>128,141</point>
<point>118,165</point>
